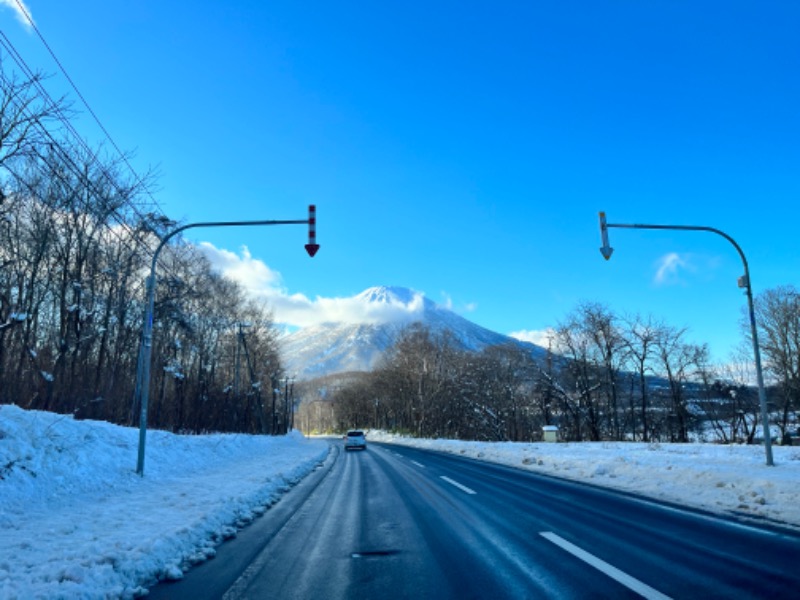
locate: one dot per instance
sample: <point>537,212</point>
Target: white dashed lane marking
<point>629,582</point>
<point>463,488</point>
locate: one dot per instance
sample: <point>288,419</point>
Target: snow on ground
<point>718,478</point>
<point>77,522</point>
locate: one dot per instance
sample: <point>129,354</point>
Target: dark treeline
<point>77,235</point>
<point>604,377</point>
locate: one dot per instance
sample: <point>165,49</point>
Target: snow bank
<point>76,521</point>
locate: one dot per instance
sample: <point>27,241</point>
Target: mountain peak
<point>389,295</point>
<point>384,311</point>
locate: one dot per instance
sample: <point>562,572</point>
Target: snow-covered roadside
<point>717,478</point>
<point>77,522</point>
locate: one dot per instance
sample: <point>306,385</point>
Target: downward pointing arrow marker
<point>605,249</point>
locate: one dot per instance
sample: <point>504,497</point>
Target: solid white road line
<point>629,582</point>
<point>418,464</point>
<point>463,488</point>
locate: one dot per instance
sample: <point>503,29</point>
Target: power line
<point>56,110</point>
<point>54,144</point>
<point>35,80</point>
<point>83,100</point>
<point>67,161</point>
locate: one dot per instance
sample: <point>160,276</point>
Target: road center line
<point>418,464</point>
<point>629,582</point>
<point>463,488</point>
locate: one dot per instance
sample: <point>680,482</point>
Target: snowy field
<point>77,522</point>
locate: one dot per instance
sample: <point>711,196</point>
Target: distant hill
<point>339,347</point>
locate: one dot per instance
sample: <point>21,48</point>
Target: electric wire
<point>53,105</point>
<point>68,162</point>
<point>54,146</point>
<point>83,100</point>
<point>56,110</point>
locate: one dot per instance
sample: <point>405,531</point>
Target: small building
<point>550,433</point>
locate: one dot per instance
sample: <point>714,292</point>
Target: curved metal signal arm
<point>142,390</point>
<point>744,282</point>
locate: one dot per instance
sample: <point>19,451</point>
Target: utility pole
<point>239,335</point>
<point>275,391</point>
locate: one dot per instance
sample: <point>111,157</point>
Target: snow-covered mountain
<point>339,347</point>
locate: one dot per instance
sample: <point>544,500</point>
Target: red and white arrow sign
<point>312,246</point>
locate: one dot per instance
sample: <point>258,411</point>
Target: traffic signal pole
<point>142,390</point>
<point>606,250</point>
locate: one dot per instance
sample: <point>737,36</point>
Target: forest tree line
<point>77,235</point>
<point>603,377</point>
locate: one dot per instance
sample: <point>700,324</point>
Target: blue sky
<point>462,149</point>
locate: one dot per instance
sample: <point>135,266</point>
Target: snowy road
<point>400,522</point>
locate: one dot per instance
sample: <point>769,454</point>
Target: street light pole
<point>142,390</point>
<point>744,282</point>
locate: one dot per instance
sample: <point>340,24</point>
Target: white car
<point>355,439</point>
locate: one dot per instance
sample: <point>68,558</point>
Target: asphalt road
<point>395,522</point>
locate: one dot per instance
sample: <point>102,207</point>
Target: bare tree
<point>730,405</point>
<point>75,240</point>
<point>641,337</point>
<point>678,361</point>
<point>588,342</point>
<point>24,116</point>
<point>778,318</point>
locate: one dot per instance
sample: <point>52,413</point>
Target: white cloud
<point>21,9</point>
<point>448,301</point>
<point>297,310</point>
<point>448,304</point>
<point>669,268</point>
<point>300,311</point>
<point>253,274</point>
<point>540,337</point>
<point>357,310</point>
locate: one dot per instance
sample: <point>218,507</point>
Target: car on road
<point>355,439</point>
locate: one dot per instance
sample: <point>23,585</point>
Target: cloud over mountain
<point>400,306</point>
<point>352,333</point>
<point>358,345</point>
<point>540,337</point>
